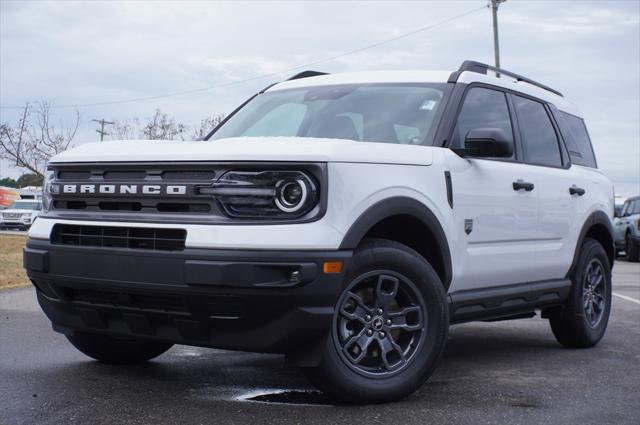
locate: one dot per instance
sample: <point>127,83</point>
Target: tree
<point>125,129</point>
<point>30,179</point>
<point>34,140</point>
<point>163,127</point>
<point>206,125</point>
<point>8,182</point>
<point>160,126</point>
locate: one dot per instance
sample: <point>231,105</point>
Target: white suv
<point>21,214</point>
<point>344,220</point>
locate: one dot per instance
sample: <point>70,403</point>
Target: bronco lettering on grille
<point>121,189</point>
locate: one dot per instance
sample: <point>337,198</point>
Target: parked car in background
<point>20,215</point>
<point>626,227</point>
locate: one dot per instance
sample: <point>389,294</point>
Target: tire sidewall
<point>591,250</point>
<point>399,259</point>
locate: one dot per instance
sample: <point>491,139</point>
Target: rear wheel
<point>632,249</point>
<point>583,320</point>
<point>113,350</point>
<point>389,328</point>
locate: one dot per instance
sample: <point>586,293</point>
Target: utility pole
<point>101,132</point>
<point>496,45</point>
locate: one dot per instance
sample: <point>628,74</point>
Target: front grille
<point>119,237</point>
<point>174,189</point>
<point>11,216</point>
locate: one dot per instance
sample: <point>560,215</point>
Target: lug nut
<point>369,332</point>
<point>367,317</point>
<point>388,322</point>
<point>379,311</point>
<point>382,334</point>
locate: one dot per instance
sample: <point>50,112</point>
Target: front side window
<point>539,137</point>
<point>383,113</point>
<point>482,108</point>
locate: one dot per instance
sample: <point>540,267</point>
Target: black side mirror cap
<point>487,143</point>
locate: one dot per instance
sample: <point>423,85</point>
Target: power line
<point>271,74</point>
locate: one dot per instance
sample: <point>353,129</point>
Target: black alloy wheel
<point>380,323</point>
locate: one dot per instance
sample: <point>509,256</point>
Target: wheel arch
<point>408,221</point>
<point>597,226</point>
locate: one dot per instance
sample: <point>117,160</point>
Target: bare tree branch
<point>33,141</point>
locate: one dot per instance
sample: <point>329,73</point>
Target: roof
<point>418,76</point>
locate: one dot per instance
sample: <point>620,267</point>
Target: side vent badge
<point>468,226</point>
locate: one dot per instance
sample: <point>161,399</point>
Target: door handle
<point>575,190</point>
<point>521,184</point>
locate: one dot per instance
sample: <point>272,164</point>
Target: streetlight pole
<point>496,44</point>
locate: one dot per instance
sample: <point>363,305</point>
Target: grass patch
<point>11,271</point>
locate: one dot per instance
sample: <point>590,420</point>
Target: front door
<point>495,202</point>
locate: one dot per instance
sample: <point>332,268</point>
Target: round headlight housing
<point>282,194</point>
<point>291,195</point>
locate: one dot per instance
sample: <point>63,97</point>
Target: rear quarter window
<point>574,132</point>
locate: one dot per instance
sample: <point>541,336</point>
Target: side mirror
<point>487,143</point>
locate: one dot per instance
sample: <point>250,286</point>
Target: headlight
<point>274,194</point>
<point>46,190</point>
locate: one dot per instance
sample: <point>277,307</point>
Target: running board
<point>509,300</point>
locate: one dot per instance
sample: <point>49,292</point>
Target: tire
<point>406,340</point>
<point>581,323</point>
<point>111,350</point>
<point>632,249</point>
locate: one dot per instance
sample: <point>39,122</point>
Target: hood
<point>249,149</point>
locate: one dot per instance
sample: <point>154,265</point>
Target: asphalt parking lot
<point>507,372</point>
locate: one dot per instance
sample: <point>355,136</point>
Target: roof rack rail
<point>306,74</point>
<point>483,68</point>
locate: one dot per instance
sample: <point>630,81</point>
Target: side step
<point>510,300</point>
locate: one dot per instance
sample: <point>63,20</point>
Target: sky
<point>106,56</point>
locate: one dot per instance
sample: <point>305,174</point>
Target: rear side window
<point>539,137</point>
<point>482,108</point>
<point>577,139</point>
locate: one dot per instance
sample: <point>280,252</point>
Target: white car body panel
<point>248,149</point>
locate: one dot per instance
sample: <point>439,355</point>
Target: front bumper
<point>23,224</point>
<point>231,299</point>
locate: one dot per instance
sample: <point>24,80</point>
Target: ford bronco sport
<point>343,220</point>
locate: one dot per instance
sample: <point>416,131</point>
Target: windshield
<point>25,205</point>
<point>384,113</point>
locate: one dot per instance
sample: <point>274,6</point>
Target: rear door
<point>495,222</point>
<point>547,160</point>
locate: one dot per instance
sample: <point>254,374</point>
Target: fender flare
<point>596,218</point>
<point>400,206</point>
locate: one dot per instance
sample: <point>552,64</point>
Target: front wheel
<point>389,328</point>
<point>583,320</point>
<point>108,349</point>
